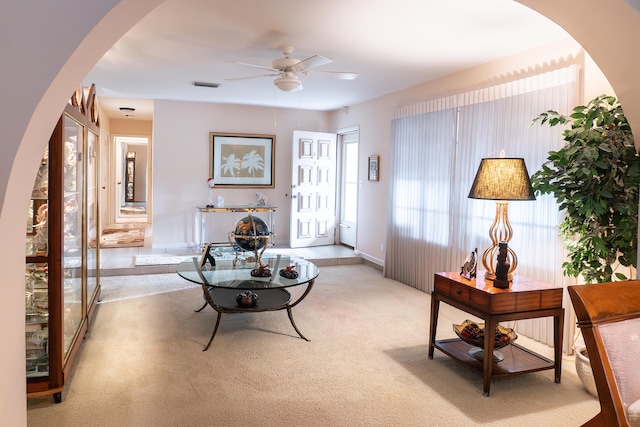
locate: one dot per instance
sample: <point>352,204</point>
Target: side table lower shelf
<point>517,359</point>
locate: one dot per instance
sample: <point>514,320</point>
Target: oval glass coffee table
<point>223,283</point>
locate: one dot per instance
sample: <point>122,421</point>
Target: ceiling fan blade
<point>312,62</point>
<point>253,77</point>
<point>335,74</point>
<point>255,66</point>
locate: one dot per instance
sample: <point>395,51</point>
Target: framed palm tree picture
<point>242,160</point>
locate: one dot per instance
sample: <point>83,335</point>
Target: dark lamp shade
<point>502,179</point>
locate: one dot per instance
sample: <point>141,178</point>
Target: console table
<point>205,210</point>
<point>524,299</point>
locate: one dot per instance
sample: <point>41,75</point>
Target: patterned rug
<point>122,238</point>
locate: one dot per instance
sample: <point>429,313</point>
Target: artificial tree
<point>595,178</point>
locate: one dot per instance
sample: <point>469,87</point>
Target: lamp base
<point>489,276</point>
<point>492,276</point>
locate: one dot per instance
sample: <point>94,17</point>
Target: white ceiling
<point>391,44</point>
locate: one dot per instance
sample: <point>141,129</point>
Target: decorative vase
<point>583,369</point>
<point>210,183</point>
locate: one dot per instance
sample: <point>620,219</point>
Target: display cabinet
<point>62,258</point>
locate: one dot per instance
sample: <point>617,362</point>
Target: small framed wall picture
<point>374,168</point>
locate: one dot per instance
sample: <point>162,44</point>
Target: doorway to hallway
<point>132,178</point>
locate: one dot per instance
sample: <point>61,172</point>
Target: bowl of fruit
<point>473,333</point>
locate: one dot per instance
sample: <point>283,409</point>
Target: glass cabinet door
<point>37,319</point>
<point>92,259</point>
<point>37,217</point>
<point>37,275</point>
<point>73,134</point>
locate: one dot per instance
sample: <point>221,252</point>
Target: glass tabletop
<point>225,275</point>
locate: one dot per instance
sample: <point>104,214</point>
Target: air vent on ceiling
<point>206,84</point>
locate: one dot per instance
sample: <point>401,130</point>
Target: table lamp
<point>501,179</point>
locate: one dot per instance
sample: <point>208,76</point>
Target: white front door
<point>313,189</point>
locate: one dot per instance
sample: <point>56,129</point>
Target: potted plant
<point>595,178</point>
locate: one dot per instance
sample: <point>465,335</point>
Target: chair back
<point>609,318</point>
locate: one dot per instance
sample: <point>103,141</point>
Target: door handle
<point>344,225</point>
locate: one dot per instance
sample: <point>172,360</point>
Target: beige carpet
<point>142,364</point>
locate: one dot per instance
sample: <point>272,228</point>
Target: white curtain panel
<point>436,149</point>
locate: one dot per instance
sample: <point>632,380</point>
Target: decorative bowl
<point>473,333</point>
<point>247,299</point>
<point>288,273</point>
<point>262,271</point>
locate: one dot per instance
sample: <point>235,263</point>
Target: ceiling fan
<point>287,70</point>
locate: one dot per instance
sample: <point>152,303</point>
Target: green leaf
<point>621,276</point>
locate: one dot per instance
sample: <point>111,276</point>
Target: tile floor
<point>121,261</point>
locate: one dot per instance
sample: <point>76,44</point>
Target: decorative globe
<point>251,226</point>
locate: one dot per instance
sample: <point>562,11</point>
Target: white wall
<point>181,132</point>
<point>181,164</point>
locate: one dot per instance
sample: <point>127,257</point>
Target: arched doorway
<point>45,65</point>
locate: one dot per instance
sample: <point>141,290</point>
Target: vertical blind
<point>436,149</point>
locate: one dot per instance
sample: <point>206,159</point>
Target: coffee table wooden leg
<point>214,331</point>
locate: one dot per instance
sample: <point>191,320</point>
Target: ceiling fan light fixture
<point>287,83</point>
<point>127,111</point>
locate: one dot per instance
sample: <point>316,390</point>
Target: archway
<point>44,65</point>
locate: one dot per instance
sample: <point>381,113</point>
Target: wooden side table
<point>524,299</point>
